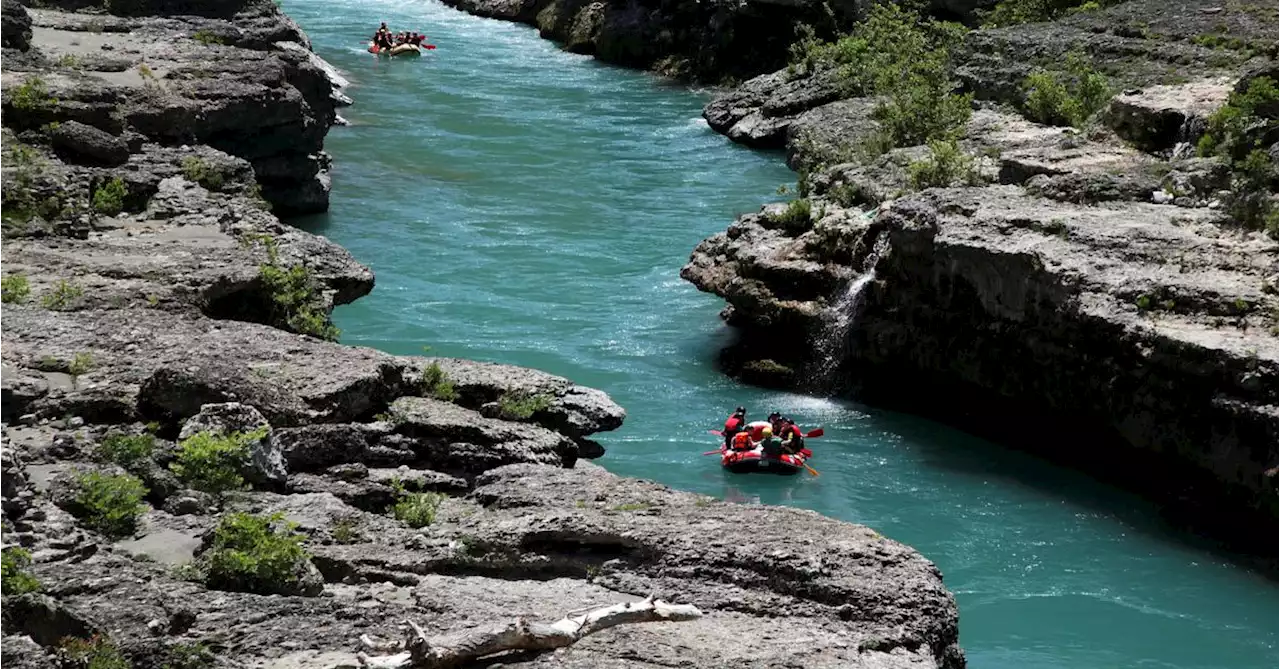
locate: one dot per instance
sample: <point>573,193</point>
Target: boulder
<point>266,466</point>
<point>15,26</point>
<point>89,145</point>
<point>1158,118</point>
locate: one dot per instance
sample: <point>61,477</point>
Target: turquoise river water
<point>525,205</point>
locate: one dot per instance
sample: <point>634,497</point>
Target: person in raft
<point>770,445</point>
<point>382,38</point>
<point>734,424</point>
<point>788,431</point>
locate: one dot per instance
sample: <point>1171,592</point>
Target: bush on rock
<point>261,554</point>
<point>904,59</point>
<point>110,504</point>
<point>214,463</point>
<point>14,579</point>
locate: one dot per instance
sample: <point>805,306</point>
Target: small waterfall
<point>831,342</point>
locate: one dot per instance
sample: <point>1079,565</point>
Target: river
<point>524,205</point>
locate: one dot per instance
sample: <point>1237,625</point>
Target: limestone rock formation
<point>1087,294</point>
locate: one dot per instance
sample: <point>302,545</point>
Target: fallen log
<point>419,652</point>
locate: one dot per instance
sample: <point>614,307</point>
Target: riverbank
<point>1102,295</point>
<point>154,306</point>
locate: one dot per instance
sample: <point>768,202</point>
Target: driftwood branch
<point>419,652</point>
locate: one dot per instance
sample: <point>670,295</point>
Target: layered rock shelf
<point>1082,293</point>
<point>708,41</point>
<point>152,297</point>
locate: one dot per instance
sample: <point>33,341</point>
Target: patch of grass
<point>1014,12</point>
<point>65,295</point>
<point>519,405</point>
<point>252,553</point>
<point>98,652</point>
<point>415,509</point>
<point>32,96</point>
<point>1066,98</point>
<point>214,462</point>
<point>631,506</point>
<point>81,363</point>
<point>207,38</point>
<point>14,289</point>
<point>108,199</point>
<point>946,165</point>
<point>797,214</point>
<point>110,504</point>
<point>130,451</point>
<point>436,383</point>
<point>146,72</point>
<point>14,579</point>
<point>196,170</point>
<point>69,61</point>
<point>346,530</point>
<point>296,297</point>
<point>904,59</point>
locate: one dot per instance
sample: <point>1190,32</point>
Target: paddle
<point>811,469</point>
<point>712,452</point>
<point>816,432</point>
<point>718,433</point>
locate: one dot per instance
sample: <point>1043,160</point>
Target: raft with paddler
<point>774,446</point>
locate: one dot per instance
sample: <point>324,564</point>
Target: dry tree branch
<point>443,653</point>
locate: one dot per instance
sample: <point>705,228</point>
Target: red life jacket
<point>757,429</point>
<point>733,424</point>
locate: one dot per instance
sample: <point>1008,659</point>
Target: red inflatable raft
<point>746,462</point>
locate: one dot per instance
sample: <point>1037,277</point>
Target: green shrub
<point>14,579</point>
<point>1227,134</point>
<point>521,405</point>
<point>32,96</point>
<point>196,170</point>
<point>1014,12</point>
<point>130,451</point>
<point>1237,132</point>
<point>110,504</point>
<point>96,653</point>
<point>81,363</point>
<point>296,297</point>
<point>14,289</point>
<point>108,199</point>
<point>346,530</point>
<point>64,295</point>
<point>437,384</point>
<point>252,553</point>
<point>904,59</point>
<point>416,509</point>
<point>1066,98</point>
<point>797,213</point>
<point>188,656</point>
<point>214,462</point>
<point>946,165</point>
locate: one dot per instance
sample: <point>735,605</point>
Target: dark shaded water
<point>524,205</point>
